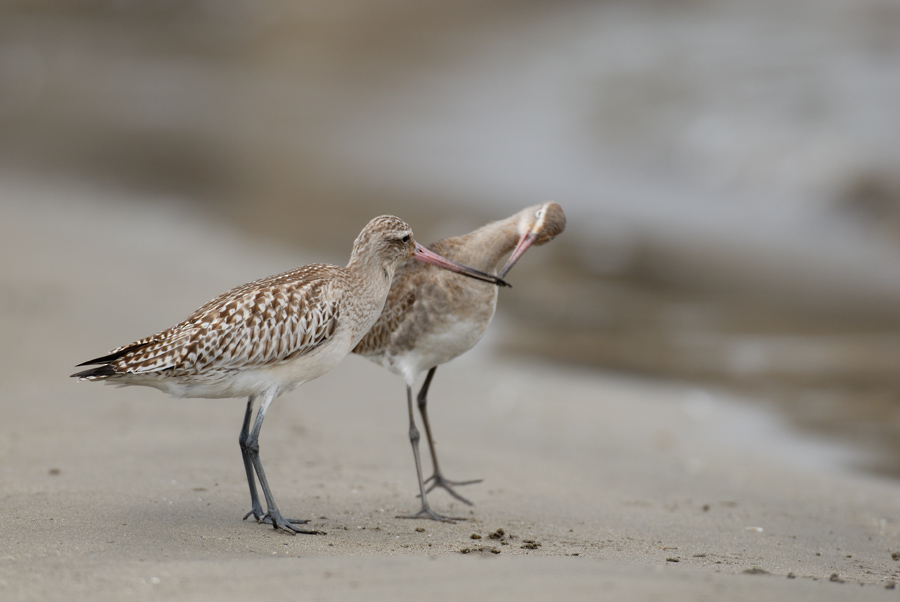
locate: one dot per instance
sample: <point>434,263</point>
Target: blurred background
<point>730,168</point>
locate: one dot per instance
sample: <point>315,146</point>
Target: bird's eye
<point>539,214</point>
<point>405,238</point>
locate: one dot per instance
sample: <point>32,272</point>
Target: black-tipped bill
<point>428,256</point>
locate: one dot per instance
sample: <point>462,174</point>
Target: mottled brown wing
<point>260,323</point>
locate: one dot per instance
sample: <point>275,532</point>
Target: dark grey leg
<point>255,507</point>
<point>426,511</point>
<point>272,515</point>
<point>437,477</point>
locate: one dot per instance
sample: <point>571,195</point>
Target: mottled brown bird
<point>267,337</point>
<point>432,316</point>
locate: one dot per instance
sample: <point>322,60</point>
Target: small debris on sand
<point>480,549</point>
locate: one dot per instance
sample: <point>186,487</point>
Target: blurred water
<point>732,126</point>
<point>730,168</point>
<point>750,129</point>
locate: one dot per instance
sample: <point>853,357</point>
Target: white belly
<point>436,347</point>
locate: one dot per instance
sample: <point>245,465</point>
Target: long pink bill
<point>524,242</point>
<point>428,256</point>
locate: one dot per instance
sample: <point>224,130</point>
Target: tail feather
<point>106,369</point>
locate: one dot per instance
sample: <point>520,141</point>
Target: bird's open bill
<point>428,256</point>
<point>524,242</point>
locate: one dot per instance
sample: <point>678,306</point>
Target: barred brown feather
<point>266,321</point>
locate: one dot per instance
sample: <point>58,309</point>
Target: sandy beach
<point>594,483</point>
<point>692,394</point>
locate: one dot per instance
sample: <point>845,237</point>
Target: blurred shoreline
<point>734,207</point>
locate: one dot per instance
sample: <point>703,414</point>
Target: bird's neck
<point>484,248</point>
<point>372,280</point>
<point>376,273</point>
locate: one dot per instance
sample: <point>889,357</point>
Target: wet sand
<point>599,482</point>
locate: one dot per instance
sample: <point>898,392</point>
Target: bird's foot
<point>274,518</point>
<point>256,513</point>
<point>428,513</point>
<point>438,480</point>
<point>263,518</point>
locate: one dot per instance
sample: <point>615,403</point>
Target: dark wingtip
<point>104,360</point>
<point>106,370</point>
<point>502,282</point>
<point>110,358</point>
